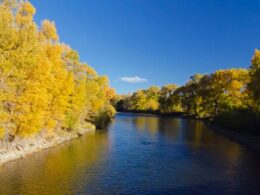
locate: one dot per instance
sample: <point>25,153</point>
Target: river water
<point>138,154</point>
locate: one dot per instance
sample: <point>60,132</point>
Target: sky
<point>140,43</point>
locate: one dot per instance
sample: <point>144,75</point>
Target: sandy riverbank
<point>21,148</point>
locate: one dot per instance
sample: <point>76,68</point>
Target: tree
<point>48,31</point>
<point>43,84</point>
<point>190,95</point>
<point>138,100</point>
<point>254,84</point>
<point>152,97</point>
<point>165,100</point>
<point>224,88</point>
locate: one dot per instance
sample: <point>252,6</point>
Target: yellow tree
<point>223,89</point>
<point>152,97</point>
<point>138,100</point>
<point>254,84</point>
<point>166,104</point>
<point>43,85</point>
<point>27,97</point>
<point>8,43</point>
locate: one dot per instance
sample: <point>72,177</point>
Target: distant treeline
<point>230,97</point>
<point>43,84</point>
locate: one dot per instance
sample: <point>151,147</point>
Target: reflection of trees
<point>149,123</point>
<point>218,146</point>
<point>140,123</point>
<point>53,171</point>
<point>195,131</point>
<point>170,127</point>
<point>198,133</point>
<point>152,124</point>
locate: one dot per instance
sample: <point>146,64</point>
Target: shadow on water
<point>138,154</point>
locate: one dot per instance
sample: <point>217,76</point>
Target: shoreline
<point>173,114</point>
<point>22,148</point>
<point>250,141</point>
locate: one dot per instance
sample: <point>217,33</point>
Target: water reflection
<point>52,171</point>
<point>139,154</point>
<point>154,124</point>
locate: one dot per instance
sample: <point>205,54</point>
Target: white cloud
<point>135,79</point>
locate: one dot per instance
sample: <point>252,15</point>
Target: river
<point>138,154</point>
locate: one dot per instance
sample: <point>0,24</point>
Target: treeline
<point>231,97</point>
<point>43,84</point>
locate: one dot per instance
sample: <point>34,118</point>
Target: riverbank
<point>174,114</point>
<point>21,148</point>
<point>250,141</point>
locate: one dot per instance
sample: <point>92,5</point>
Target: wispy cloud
<point>135,79</point>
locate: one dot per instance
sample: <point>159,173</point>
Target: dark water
<point>138,154</point>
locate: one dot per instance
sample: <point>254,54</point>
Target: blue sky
<point>139,43</point>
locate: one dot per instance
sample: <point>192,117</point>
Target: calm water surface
<point>138,154</point>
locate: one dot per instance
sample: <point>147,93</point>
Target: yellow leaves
<point>72,55</point>
<point>236,85</point>
<point>27,9</point>
<point>48,31</point>
<point>25,13</point>
<point>254,84</point>
<point>144,99</point>
<point>202,95</point>
<point>54,53</point>
<point>30,108</point>
<point>256,59</point>
<point>168,89</point>
<point>152,104</point>
<point>5,15</point>
<point>43,85</point>
<point>89,70</point>
<point>110,93</point>
<point>2,132</point>
<point>165,98</point>
<point>8,35</point>
<point>51,124</point>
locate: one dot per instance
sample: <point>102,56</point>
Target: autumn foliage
<point>43,84</point>
<point>232,95</point>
